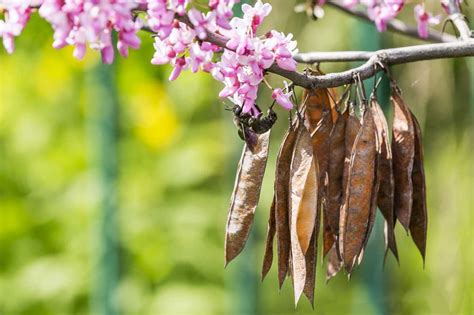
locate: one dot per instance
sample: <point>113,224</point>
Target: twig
<point>459,20</point>
<point>389,57</point>
<point>395,25</point>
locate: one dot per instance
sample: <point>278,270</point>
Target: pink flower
<point>424,19</point>
<point>282,99</point>
<point>256,14</point>
<point>179,64</point>
<point>199,22</point>
<point>17,14</point>
<point>82,22</point>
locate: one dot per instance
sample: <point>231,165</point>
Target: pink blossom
<point>255,15</point>
<point>199,22</point>
<point>17,14</point>
<point>282,99</point>
<point>424,19</point>
<point>92,22</point>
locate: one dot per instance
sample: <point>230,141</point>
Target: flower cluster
<point>244,58</point>
<point>243,64</point>
<point>92,22</point>
<point>17,14</point>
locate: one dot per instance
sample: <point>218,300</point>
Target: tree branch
<point>388,57</point>
<point>395,25</point>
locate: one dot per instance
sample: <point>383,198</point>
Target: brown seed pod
<point>386,187</point>
<point>335,171</point>
<point>303,200</point>
<point>320,141</point>
<point>352,129</point>
<point>403,151</point>
<point>328,236</point>
<point>268,256</point>
<point>304,188</point>
<point>248,184</point>
<point>334,264</point>
<point>282,205</point>
<point>419,215</point>
<point>360,184</point>
<point>311,261</point>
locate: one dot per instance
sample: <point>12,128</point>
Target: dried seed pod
<point>311,261</point>
<point>360,184</point>
<point>335,171</point>
<point>386,187</point>
<point>403,151</point>
<point>352,129</point>
<point>245,197</point>
<point>282,205</point>
<point>419,215</point>
<point>328,236</point>
<point>268,256</point>
<point>303,188</point>
<point>320,141</point>
<point>334,264</point>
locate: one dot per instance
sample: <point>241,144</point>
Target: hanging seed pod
<point>336,171</point>
<point>311,261</point>
<point>386,187</point>
<point>403,151</point>
<point>328,236</point>
<point>245,197</point>
<point>419,215</point>
<point>352,129</point>
<point>320,141</point>
<point>268,256</point>
<point>303,200</point>
<point>358,199</point>
<point>334,264</point>
<point>282,203</point>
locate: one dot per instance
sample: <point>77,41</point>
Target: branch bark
<point>395,25</point>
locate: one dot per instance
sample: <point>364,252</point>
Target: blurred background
<point>115,184</point>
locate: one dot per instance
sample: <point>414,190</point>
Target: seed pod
<point>419,215</point>
<point>335,171</point>
<point>334,264</point>
<point>320,141</point>
<point>352,129</point>
<point>311,261</point>
<point>403,151</point>
<point>245,197</point>
<point>268,256</point>
<point>303,200</point>
<point>357,203</point>
<point>386,187</point>
<point>282,203</point>
<point>328,236</point>
<point>304,188</point>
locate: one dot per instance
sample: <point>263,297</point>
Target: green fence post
<point>104,104</point>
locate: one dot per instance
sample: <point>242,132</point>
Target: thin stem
<point>395,25</point>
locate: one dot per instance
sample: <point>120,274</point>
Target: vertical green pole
<point>104,104</point>
<point>368,38</point>
<point>242,278</point>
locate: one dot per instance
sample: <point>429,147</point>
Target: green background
<point>164,156</point>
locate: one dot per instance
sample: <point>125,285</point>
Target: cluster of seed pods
<point>336,165</point>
